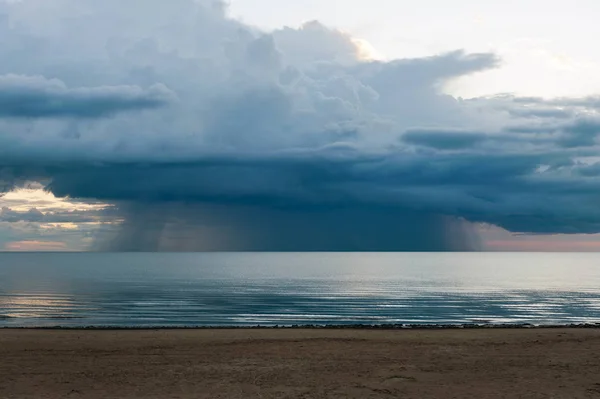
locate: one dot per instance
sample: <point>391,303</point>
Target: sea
<point>295,289</point>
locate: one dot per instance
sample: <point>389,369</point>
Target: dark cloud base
<point>186,227</point>
<point>37,97</point>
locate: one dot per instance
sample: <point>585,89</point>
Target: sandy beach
<point>252,363</point>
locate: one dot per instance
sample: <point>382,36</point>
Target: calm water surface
<point>286,289</point>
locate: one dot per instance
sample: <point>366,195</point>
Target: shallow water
<point>285,289</point>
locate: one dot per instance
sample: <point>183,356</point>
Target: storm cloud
<point>294,139</point>
<point>37,97</point>
<point>443,139</point>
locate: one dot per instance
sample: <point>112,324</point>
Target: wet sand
<point>479,363</point>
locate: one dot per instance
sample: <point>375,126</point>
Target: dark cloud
<point>38,97</point>
<point>198,226</point>
<point>8,215</point>
<point>542,112</point>
<point>589,170</point>
<point>582,133</point>
<point>508,190</point>
<point>443,138</point>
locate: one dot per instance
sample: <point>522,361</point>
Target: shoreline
<point>381,327</point>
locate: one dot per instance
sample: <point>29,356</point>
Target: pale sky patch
<point>24,199</point>
<point>26,246</point>
<point>497,239</point>
<point>40,233</point>
<point>64,226</point>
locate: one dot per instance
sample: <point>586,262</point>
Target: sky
<point>262,125</point>
<point>548,39</point>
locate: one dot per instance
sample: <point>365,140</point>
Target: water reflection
<point>32,306</point>
<point>287,289</point>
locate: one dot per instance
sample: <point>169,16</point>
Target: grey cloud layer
<point>37,97</point>
<point>443,138</point>
<point>34,215</point>
<point>504,189</point>
<point>291,122</point>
